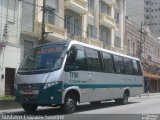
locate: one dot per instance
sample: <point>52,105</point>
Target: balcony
<point>110,2</point>
<point>53,30</point>
<point>107,21</point>
<point>79,6</point>
<point>92,41</point>
<point>57,31</point>
<point>115,49</point>
<point>74,37</point>
<point>151,75</point>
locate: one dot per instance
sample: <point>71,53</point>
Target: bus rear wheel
<point>29,108</point>
<point>124,100</point>
<point>70,104</point>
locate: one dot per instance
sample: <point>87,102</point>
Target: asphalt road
<point>139,108</point>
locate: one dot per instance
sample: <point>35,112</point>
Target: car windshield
<point>43,59</point>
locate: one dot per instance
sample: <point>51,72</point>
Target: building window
<point>147,16</point>
<point>117,42</point>
<point>50,16</point>
<point>104,8</point>
<point>118,3</point>
<point>91,4</point>
<point>11,10</point>
<point>28,45</point>
<point>133,48</point>
<point>90,31</point>
<point>117,17</point>
<point>147,10</point>
<point>104,37</point>
<point>73,25</point>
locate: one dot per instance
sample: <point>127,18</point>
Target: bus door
<point>76,71</point>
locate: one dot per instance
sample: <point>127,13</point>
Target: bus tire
<point>70,104</point>
<point>95,102</point>
<point>124,100</point>
<point>29,108</point>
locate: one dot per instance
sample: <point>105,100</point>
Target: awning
<point>150,75</point>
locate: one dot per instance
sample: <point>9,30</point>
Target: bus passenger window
<point>119,65</point>
<point>135,67</point>
<point>93,60</point>
<point>79,62</point>
<point>139,68</point>
<point>108,63</point>
<point>128,66</point>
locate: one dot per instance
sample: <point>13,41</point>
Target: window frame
<point>113,68</point>
<point>131,65</point>
<point>99,58</point>
<point>124,72</point>
<point>135,73</point>
<point>82,48</point>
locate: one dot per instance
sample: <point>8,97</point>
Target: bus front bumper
<point>39,94</point>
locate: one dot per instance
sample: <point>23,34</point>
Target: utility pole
<point>43,21</point>
<point>141,41</point>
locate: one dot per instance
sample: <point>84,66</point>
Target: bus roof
<point>63,41</point>
<point>101,49</point>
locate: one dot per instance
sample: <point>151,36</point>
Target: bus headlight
<point>47,85</point>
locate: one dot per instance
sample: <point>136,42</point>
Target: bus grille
<point>29,91</point>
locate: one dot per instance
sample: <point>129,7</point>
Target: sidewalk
<point>150,94</point>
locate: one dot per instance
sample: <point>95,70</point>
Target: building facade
<point>152,16</point>
<point>10,13</point>
<point>149,52</point>
<point>90,21</point>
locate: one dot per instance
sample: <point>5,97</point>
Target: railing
<point>55,29</point>
<point>107,17</point>
<point>110,2</point>
<point>107,21</point>
<point>82,3</point>
<point>95,42</point>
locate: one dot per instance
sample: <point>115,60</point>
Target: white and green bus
<point>64,73</point>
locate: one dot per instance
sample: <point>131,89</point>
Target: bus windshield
<point>43,59</point>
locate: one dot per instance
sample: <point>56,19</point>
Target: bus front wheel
<point>29,108</point>
<point>70,104</point>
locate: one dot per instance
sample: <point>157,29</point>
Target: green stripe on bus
<point>103,85</point>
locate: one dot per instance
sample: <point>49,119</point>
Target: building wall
<point>28,16</point>
<point>9,38</point>
<point>150,53</point>
<point>152,16</point>
<point>135,11</point>
<point>10,59</point>
<point>120,26</point>
<point>87,16</point>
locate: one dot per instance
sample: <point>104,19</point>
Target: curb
<point>149,94</point>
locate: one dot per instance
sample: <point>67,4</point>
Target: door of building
<point>9,81</point>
